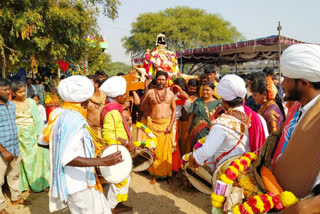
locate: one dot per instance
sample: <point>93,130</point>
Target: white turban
<point>301,61</point>
<point>230,87</point>
<point>114,86</point>
<point>75,89</point>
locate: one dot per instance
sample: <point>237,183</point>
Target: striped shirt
<point>8,128</point>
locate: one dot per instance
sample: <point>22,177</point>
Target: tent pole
<point>279,50</point>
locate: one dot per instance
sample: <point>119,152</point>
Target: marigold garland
<point>271,88</point>
<point>265,202</point>
<point>122,184</point>
<point>122,197</point>
<point>237,166</point>
<point>149,143</point>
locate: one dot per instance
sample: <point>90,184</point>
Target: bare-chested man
<point>160,104</point>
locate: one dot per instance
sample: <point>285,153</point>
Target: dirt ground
<point>161,198</point>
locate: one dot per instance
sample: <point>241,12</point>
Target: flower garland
<point>185,158</point>
<point>122,197</point>
<point>271,89</point>
<point>256,204</point>
<point>237,166</point>
<point>265,202</point>
<point>149,143</point>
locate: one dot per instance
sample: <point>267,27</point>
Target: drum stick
<point>115,131</point>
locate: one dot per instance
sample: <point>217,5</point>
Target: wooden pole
<point>131,61</point>
<point>279,48</point>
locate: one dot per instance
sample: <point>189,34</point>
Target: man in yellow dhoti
<point>161,104</point>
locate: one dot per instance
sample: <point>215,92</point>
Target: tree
<point>34,32</point>
<point>192,27</point>
<point>118,67</point>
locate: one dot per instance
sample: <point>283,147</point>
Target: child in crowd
<point>41,108</point>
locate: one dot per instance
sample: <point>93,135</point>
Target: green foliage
<point>192,27</point>
<point>99,60</point>
<point>34,32</point>
<point>118,67</point>
<point>225,71</point>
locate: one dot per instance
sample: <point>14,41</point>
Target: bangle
<point>126,142</point>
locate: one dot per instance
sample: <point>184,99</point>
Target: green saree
<point>35,161</point>
<point>203,116</point>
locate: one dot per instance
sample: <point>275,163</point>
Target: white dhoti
<point>88,201</point>
<point>118,193</point>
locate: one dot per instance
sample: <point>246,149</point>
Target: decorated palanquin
<point>161,59</point>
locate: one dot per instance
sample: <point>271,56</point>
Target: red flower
<point>264,198</point>
<point>255,210</point>
<point>231,175</point>
<point>277,203</point>
<point>234,165</point>
<point>252,202</point>
<point>244,163</point>
<point>248,156</point>
<point>270,194</point>
<point>242,209</point>
<point>267,206</point>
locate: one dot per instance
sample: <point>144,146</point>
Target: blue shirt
<point>8,128</point>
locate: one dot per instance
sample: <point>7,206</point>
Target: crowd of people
<point>52,134</point>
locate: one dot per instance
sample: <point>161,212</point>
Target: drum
<point>117,173</point>
<point>142,159</point>
<point>200,178</point>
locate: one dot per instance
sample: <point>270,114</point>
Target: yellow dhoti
<point>162,165</point>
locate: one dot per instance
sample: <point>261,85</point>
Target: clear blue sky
<point>300,19</point>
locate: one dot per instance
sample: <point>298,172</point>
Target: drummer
<point>73,179</point>
<point>116,128</point>
<point>229,134</point>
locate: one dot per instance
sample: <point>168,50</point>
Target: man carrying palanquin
<point>115,128</point>
<point>296,160</point>
<point>72,153</point>
<point>160,103</point>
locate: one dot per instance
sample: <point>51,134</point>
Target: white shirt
<point>76,180</point>
<point>221,139</point>
<point>43,114</point>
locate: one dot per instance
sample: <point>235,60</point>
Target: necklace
<point>160,98</point>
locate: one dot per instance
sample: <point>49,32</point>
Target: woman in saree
<point>35,162</point>
<point>265,93</point>
<point>203,112</point>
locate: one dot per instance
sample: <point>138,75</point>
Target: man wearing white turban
<point>72,152</point>
<point>296,159</point>
<point>229,134</point>
<point>116,128</point>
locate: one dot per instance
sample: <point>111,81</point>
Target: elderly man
<point>116,128</point>
<point>73,153</point>
<point>296,160</point>
<point>161,104</point>
<point>229,134</point>
<point>9,148</point>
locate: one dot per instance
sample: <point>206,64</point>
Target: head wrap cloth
<point>75,89</point>
<point>230,87</point>
<point>301,61</point>
<point>114,86</point>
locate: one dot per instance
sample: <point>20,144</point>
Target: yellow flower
<point>147,130</point>
<point>270,200</point>
<point>218,198</point>
<point>122,184</point>
<point>253,156</point>
<point>216,204</point>
<point>136,143</point>
<point>154,139</point>
<point>148,144</point>
<point>260,204</point>
<point>122,197</point>
<point>236,210</point>
<point>248,208</point>
<point>203,140</point>
<point>186,157</point>
<point>288,199</point>
<point>139,125</point>
<point>241,168</point>
<point>233,169</point>
<point>226,180</point>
